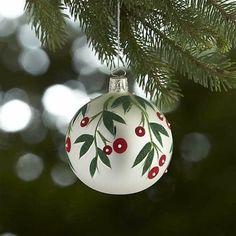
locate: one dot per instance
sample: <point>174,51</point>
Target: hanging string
<point>118,33</point>
<point>117,72</point>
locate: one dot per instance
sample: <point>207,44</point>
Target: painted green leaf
<point>118,101</point>
<point>148,161</point>
<point>116,117</point>
<point>143,102</point>
<point>171,148</point>
<point>158,128</point>
<point>127,106</point>
<point>87,139</point>
<point>125,101</point>
<point>143,153</point>
<point>107,102</point>
<point>93,166</point>
<point>104,140</point>
<point>104,158</point>
<point>85,147</point>
<point>84,109</point>
<point>84,138</point>
<point>156,133</point>
<point>108,122</point>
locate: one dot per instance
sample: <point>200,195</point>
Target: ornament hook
<point>118,33</point>
<point>118,72</point>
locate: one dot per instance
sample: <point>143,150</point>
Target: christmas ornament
<point>119,143</point>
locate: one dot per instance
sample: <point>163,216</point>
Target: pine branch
<point>185,61</point>
<point>153,74</point>
<point>220,14</point>
<point>48,21</point>
<point>98,25</point>
<point>159,38</point>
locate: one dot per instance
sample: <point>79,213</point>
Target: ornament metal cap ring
<point>118,82</point>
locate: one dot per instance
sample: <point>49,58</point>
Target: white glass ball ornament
<point>119,143</point>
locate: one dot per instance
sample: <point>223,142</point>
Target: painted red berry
<point>84,121</point>
<point>162,160</point>
<point>153,172</point>
<point>140,131</point>
<point>120,145</point>
<point>168,124</point>
<point>68,144</point>
<point>160,116</point>
<point>107,149</point>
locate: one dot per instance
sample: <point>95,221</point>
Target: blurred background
<point>39,195</point>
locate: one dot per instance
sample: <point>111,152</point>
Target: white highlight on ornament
<point>34,61</point>
<point>62,176</point>
<point>15,115</point>
<point>195,147</point>
<point>29,167</point>
<point>12,8</point>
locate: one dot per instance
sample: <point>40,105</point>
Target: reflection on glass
<point>29,167</point>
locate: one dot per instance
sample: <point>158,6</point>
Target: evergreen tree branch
<point>94,16</point>
<point>220,14</point>
<point>159,38</point>
<point>189,63</point>
<point>154,75</point>
<point>48,20</point>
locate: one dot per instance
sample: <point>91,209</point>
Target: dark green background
<point>194,198</point>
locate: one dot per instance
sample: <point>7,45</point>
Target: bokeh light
<point>27,37</point>
<point>8,234</point>
<point>36,131</point>
<point>12,8</point>
<point>61,103</point>
<point>34,61</point>
<point>62,175</point>
<point>195,147</point>
<point>84,59</point>
<point>16,93</point>
<point>15,115</point>
<point>7,27</point>
<point>29,167</point>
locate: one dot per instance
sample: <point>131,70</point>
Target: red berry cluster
<point>68,144</point>
<point>119,146</point>
<point>140,131</point>
<point>84,121</point>
<point>161,117</point>
<point>155,170</point>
